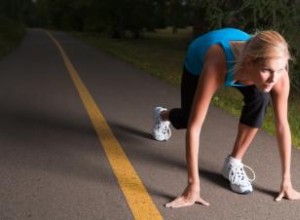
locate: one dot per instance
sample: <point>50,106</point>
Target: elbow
<point>193,131</point>
<point>282,127</point>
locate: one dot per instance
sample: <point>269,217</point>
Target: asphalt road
<point>53,166</point>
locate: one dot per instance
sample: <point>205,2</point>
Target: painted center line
<point>138,199</point>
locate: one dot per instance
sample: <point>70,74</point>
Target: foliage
<point>13,15</point>
<point>122,18</point>
<point>23,11</point>
<point>11,33</point>
<point>253,15</point>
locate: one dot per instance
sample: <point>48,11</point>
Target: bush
<point>11,33</point>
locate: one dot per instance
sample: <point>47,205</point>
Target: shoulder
<point>282,87</point>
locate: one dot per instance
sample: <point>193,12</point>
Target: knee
<point>265,100</point>
<point>178,118</point>
<point>255,109</point>
<point>259,101</point>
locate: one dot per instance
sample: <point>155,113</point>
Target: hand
<point>287,191</point>
<point>190,196</point>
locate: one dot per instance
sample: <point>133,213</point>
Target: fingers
<point>179,202</point>
<point>279,197</point>
<point>182,202</point>
<point>202,201</point>
<point>290,194</point>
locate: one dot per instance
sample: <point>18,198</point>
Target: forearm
<point>192,151</point>
<point>284,143</point>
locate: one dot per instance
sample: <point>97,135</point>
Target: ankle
<point>234,159</point>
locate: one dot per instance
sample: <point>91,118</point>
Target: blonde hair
<point>263,45</point>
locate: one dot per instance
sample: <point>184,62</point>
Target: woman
<point>255,65</point>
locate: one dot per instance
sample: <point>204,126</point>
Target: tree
<point>18,10</point>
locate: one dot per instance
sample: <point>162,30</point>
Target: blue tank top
<point>197,50</point>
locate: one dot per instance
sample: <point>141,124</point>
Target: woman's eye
<point>266,70</point>
<point>281,70</point>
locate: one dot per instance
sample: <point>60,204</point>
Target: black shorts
<point>253,112</point>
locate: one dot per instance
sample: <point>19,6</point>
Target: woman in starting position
<point>255,65</point>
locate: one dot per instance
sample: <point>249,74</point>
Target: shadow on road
<point>132,130</point>
<point>263,190</point>
<point>214,177</point>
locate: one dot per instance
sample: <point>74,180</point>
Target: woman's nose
<point>272,77</point>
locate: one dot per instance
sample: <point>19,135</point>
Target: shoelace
<point>240,174</point>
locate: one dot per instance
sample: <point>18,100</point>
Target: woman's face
<point>266,73</point>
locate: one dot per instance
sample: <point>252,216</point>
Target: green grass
<point>161,53</point>
<point>11,34</point>
<point>294,118</point>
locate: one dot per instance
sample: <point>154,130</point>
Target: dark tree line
<point>113,17</point>
<point>135,16</point>
<point>119,17</point>
<point>13,15</point>
<point>22,11</point>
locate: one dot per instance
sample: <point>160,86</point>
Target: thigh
<point>179,116</point>
<point>188,88</point>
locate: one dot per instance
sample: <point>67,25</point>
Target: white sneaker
<point>233,171</point>
<point>161,130</point>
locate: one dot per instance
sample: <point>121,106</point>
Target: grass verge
<point>161,53</point>
<point>11,34</point>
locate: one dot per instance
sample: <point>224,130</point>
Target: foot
<point>233,170</point>
<point>161,130</point>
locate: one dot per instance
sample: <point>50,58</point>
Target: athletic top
<point>197,50</point>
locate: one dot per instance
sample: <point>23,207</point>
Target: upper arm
<point>211,78</point>
<point>280,95</point>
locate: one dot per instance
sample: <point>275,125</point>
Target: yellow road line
<point>138,199</point>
